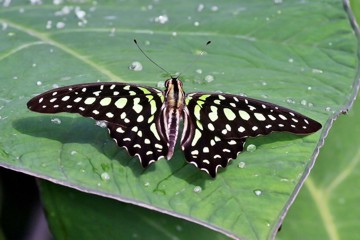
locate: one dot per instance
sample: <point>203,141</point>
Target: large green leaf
<point>77,215</point>
<point>327,205</point>
<point>297,54</point>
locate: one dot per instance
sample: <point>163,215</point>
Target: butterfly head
<point>173,84</point>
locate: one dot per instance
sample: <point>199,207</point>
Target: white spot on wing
<point>109,115</point>
<point>89,100</point>
<point>259,116</point>
<point>282,117</point>
<point>241,129</point>
<point>65,98</point>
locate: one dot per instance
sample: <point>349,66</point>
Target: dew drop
<point>60,25</point>
<point>56,120</point>
<point>303,102</point>
<point>136,66</point>
<point>241,165</point>
<point>290,100</point>
<point>160,84</point>
<point>309,88</point>
<point>277,1</point>
<point>64,11</point>
<point>4,25</point>
<point>101,124</point>
<point>200,7</point>
<point>257,192</point>
<point>39,83</point>
<point>34,65</point>
<point>35,2</point>
<point>80,14</point>
<point>48,24</point>
<point>214,8</point>
<point>209,78</point>
<point>251,148</point>
<point>328,109</point>
<point>198,71</point>
<point>179,228</point>
<point>174,34</point>
<point>6,3</point>
<point>162,19</point>
<point>135,235</point>
<point>110,17</point>
<point>310,104</point>
<point>57,2</point>
<point>147,184</point>
<point>105,176</point>
<point>291,60</point>
<point>196,24</point>
<point>73,152</point>
<point>197,189</point>
<point>314,70</point>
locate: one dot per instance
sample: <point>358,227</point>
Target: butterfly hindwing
<point>129,111</point>
<point>217,125</point>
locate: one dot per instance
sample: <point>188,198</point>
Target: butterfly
<point>145,120</point>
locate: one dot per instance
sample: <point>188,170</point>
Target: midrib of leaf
<point>46,39</point>
<point>18,49</point>
<point>321,201</point>
<point>321,197</point>
<point>343,174</point>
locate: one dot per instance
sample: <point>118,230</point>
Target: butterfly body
<point>172,112</point>
<point>146,120</point>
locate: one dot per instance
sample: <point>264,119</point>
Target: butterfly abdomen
<point>172,113</point>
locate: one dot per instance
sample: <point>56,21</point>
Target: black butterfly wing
<point>129,111</point>
<point>217,125</point>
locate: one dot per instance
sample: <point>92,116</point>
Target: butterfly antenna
<point>196,59</point>
<point>150,58</point>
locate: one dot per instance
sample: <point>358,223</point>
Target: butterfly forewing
<point>129,111</point>
<point>216,126</point>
